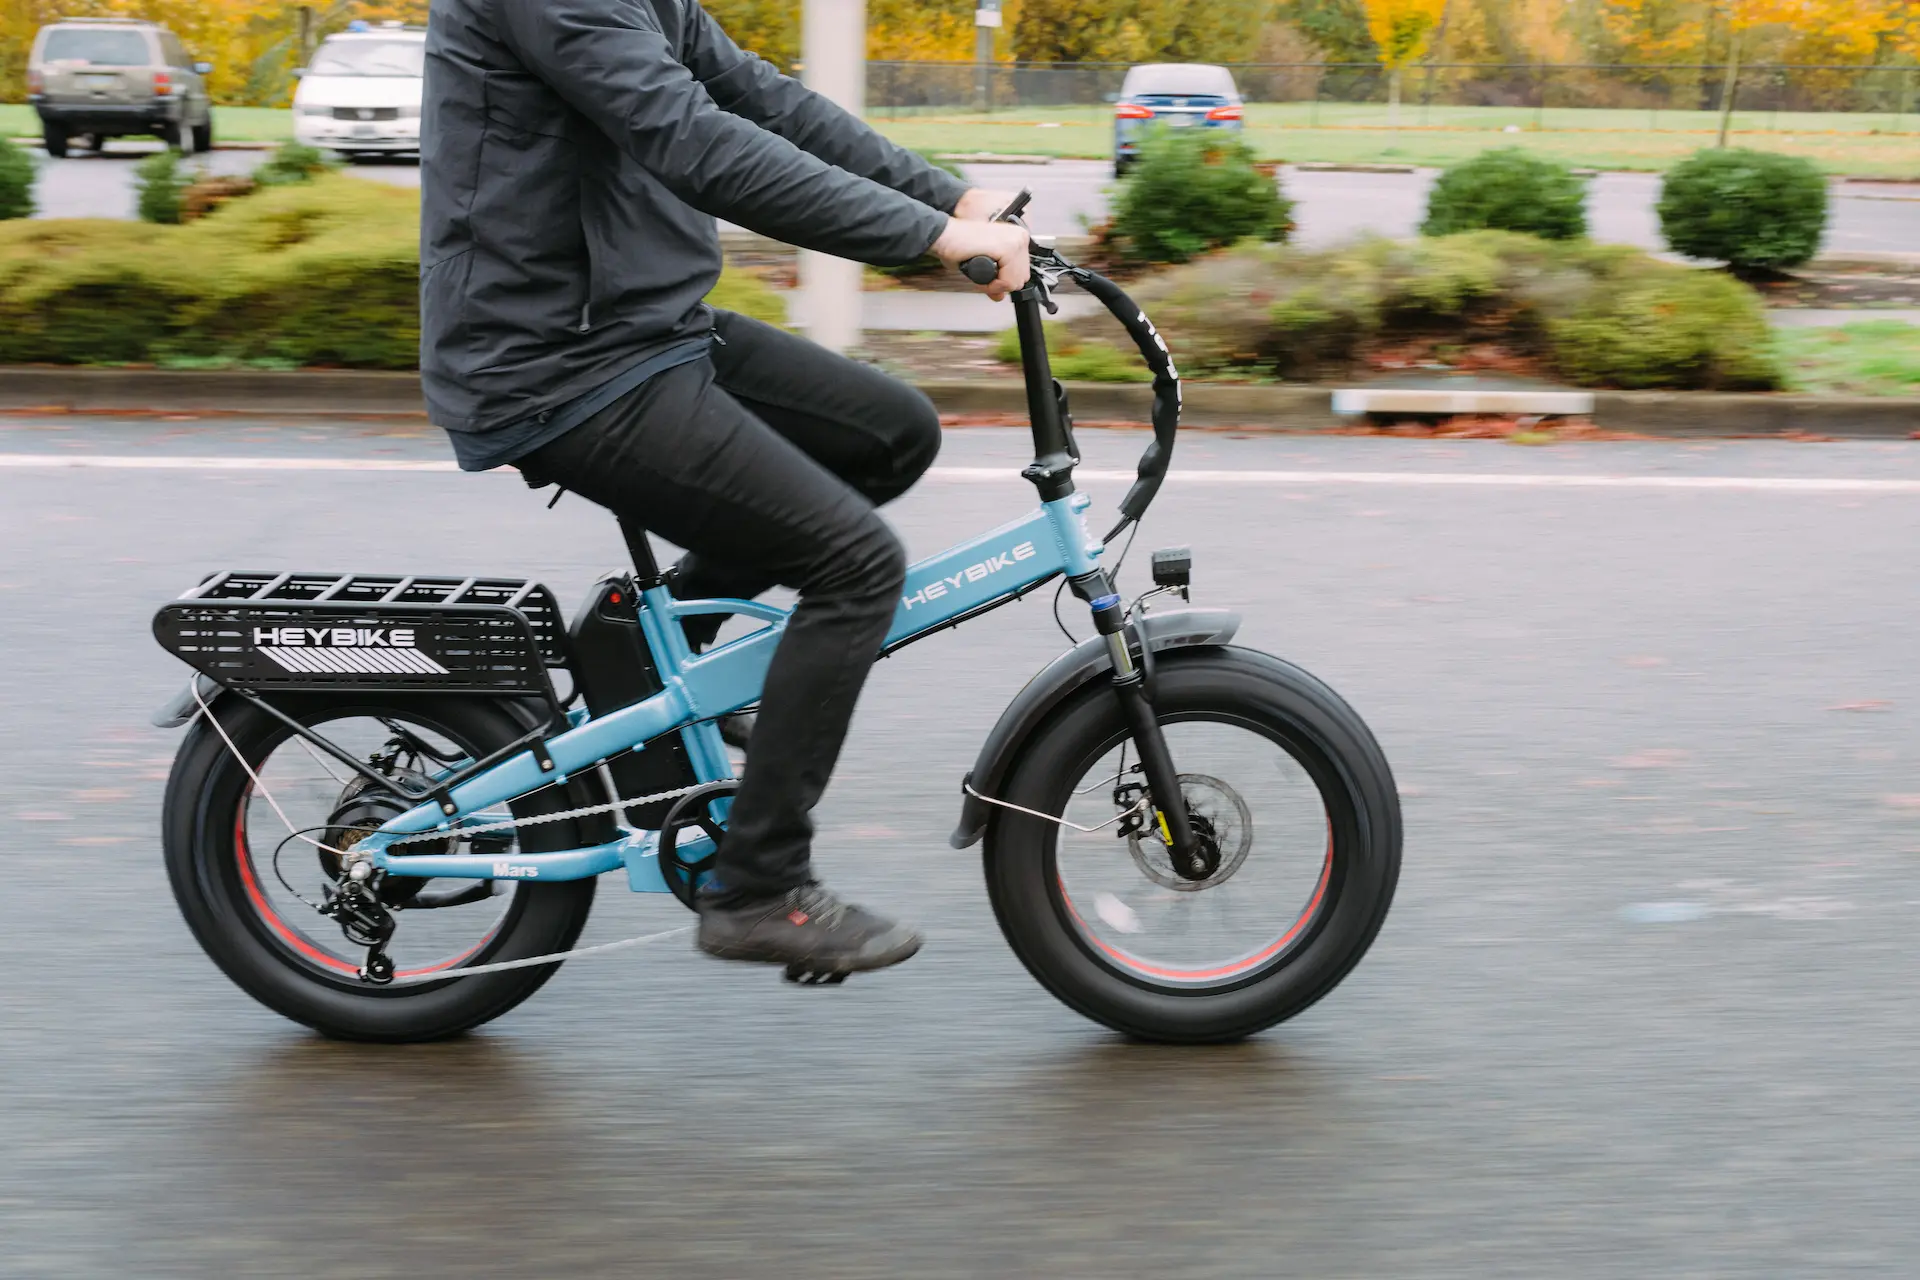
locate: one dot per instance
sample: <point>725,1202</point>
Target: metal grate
<point>316,631</point>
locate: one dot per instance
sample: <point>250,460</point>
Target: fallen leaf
<point>1655,758</point>
<point>1871,704</point>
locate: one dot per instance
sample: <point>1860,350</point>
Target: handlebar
<point>1048,268</point>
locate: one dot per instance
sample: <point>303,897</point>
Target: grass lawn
<point>1855,144</point>
<point>230,124</point>
<point>1869,358</point>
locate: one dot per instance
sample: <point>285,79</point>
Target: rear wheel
<point>54,138</point>
<point>203,136</point>
<point>249,891</point>
<point>1299,818</point>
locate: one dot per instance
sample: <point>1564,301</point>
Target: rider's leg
<point>875,432</point>
<point>688,461</point>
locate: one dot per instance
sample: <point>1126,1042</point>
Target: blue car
<point>1174,95</point>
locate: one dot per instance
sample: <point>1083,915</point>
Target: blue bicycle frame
<point>995,567</point>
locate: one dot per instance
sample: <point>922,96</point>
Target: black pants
<point>765,462</point>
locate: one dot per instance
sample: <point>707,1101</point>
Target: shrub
<point>1508,190</point>
<point>1751,209</point>
<point>1078,359</point>
<point>293,162</point>
<point>210,191</point>
<point>324,273</point>
<point>161,182</point>
<point>17,174</point>
<point>1196,190</point>
<point>1595,315</point>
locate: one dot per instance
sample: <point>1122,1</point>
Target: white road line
<point>1005,474</point>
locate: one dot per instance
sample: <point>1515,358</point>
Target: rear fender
<point>183,706</point>
<point>1060,680</point>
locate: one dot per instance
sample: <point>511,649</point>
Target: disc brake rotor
<point>1218,813</point>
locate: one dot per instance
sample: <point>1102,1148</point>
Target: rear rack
<point>532,599</point>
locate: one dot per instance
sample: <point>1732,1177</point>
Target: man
<point>574,156</point>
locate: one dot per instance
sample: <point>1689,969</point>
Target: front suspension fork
<point>1136,705</point>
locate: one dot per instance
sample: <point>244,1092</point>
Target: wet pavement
<point>1643,1005</point>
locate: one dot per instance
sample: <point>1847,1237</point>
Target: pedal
<point>801,976</point>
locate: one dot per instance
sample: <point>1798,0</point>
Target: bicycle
<point>456,813</point>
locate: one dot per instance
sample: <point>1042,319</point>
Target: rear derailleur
<point>365,921</point>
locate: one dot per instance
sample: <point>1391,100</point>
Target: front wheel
<point>1298,813</point>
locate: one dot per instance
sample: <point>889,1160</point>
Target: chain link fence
<point>1459,95</point>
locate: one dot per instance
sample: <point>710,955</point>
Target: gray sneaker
<point>818,937</point>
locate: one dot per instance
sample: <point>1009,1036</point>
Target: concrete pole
<point>986,21</point>
<point>833,44</point>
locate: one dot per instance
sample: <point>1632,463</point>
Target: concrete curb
<point>320,393</point>
<point>1694,414</point>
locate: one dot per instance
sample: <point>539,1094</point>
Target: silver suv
<point>98,78</point>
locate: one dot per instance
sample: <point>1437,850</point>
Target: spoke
<point>324,767</point>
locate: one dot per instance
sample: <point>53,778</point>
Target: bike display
<point>385,821</point>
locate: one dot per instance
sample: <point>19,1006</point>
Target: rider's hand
<point>981,203</point>
<point>1004,242</point>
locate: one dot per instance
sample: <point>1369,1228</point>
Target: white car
<point>361,93</point>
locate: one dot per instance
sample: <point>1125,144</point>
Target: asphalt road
<point>1644,1005</point>
<point>1330,206</point>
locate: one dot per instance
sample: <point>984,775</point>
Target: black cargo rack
<point>532,599</point>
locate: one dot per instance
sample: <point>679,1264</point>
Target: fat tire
<point>203,792</point>
<point>1233,684</point>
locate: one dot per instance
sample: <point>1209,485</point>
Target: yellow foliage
<point>1402,28</point>
<point>1803,31</point>
<point>252,44</point>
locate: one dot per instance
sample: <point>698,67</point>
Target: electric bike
<point>387,823</point>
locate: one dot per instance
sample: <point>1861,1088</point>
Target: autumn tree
<point>1401,30</point>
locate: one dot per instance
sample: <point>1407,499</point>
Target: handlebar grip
<point>981,270</point>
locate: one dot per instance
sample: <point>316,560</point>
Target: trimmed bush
<point>1195,190</point>
<point>1594,315</point>
<point>293,162</point>
<point>1508,190</point>
<point>1754,210</point>
<point>161,184</point>
<point>322,273</point>
<point>17,174</point>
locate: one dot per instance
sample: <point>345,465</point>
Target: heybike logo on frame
<point>372,651</point>
<point>972,573</point>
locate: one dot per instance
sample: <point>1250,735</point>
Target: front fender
<point>1059,680</point>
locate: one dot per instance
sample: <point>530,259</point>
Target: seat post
<point>646,569</point>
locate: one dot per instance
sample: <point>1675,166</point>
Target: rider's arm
<point>611,63</point>
<point>749,86</point>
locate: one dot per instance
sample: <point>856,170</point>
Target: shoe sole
<point>840,966</point>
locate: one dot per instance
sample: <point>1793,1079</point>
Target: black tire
<point>203,137</point>
<point>54,138</point>
<point>201,824</point>
<point>1242,689</point>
